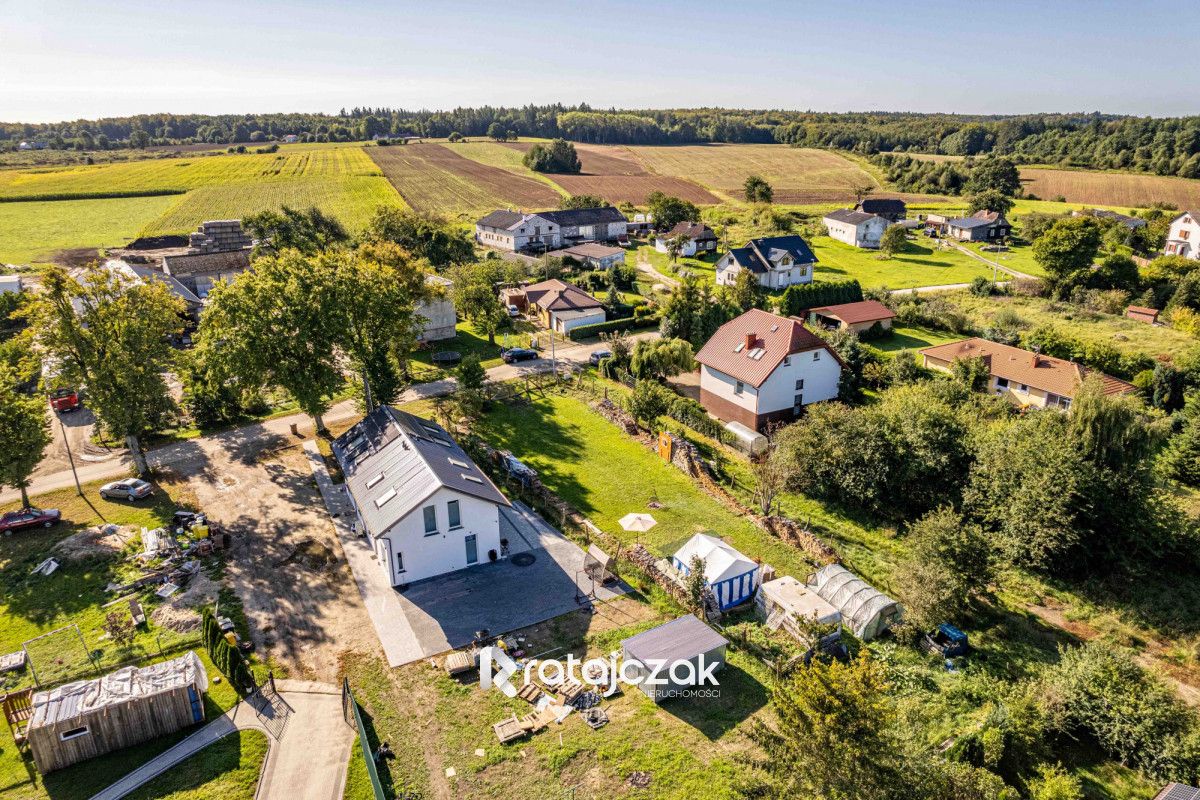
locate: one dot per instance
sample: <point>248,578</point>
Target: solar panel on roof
<point>1180,792</point>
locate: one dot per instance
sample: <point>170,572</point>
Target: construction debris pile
<point>218,236</point>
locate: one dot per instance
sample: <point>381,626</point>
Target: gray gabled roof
<point>502,219</point>
<point>393,461</point>
<point>850,216</point>
<point>969,222</point>
<point>759,254</point>
<point>882,205</point>
<point>677,640</point>
<point>584,216</point>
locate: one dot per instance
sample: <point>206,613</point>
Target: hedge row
<point>801,296</point>
<point>226,657</point>
<point>611,326</point>
<point>109,195</point>
<point>687,411</point>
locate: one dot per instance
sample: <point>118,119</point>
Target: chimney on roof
<point>750,337</point>
<point>1035,360</point>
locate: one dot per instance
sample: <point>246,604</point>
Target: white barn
<point>424,505</point>
<point>761,368</point>
<point>731,576</point>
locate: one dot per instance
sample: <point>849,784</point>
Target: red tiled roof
<point>854,313</point>
<point>776,336</point>
<point>1047,373</point>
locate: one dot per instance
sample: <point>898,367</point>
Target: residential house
<point>1142,314</point>
<point>1024,377</point>
<point>979,227</point>
<point>550,230</point>
<point>761,368</point>
<point>856,228</point>
<point>891,209</point>
<point>1102,213</point>
<point>592,255</point>
<point>1183,238</point>
<point>658,659</point>
<point>777,262</point>
<point>700,239</point>
<point>425,507</point>
<point>857,317</point>
<point>438,313</point>
<point>732,577</point>
<point>562,306</point>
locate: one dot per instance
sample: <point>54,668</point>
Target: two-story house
<point>777,262</point>
<point>856,228</point>
<point>698,239</point>
<point>761,368</point>
<point>423,504</point>
<point>518,232</point>
<point>1183,239</point>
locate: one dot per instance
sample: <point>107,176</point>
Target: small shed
<point>788,604</point>
<point>1142,314</point>
<point>656,658</point>
<point>865,611</point>
<point>86,719</point>
<point>1178,791</point>
<point>732,577</point>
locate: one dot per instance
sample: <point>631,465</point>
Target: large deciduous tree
<point>422,235</point>
<point>757,190</point>
<point>24,434</point>
<point>669,211</point>
<point>1068,247</point>
<point>309,231</point>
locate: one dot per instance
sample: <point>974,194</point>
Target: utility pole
<point>70,455</point>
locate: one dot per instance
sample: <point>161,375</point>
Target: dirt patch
<point>179,613</point>
<point>105,541</point>
<point>315,556</point>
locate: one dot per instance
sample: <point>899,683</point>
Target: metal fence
<point>353,716</point>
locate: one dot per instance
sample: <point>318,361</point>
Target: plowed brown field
<point>1111,188</point>
<point>433,178</point>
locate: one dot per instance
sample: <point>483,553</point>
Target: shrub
<point>800,297</point>
<point>612,326</point>
<point>982,287</point>
<point>688,412</point>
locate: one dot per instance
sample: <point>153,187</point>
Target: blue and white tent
<point>731,576</point>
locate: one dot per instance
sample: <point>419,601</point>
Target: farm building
<point>857,317</point>
<point>1183,239</point>
<point>855,228</point>
<point>592,255</point>
<point>777,262</point>
<point>201,271</point>
<point>699,239</point>
<point>438,314</point>
<point>891,209</point>
<point>82,720</point>
<point>788,604</point>
<point>424,505</point>
<point>732,577</point>
<point>142,274</point>
<point>865,611</point>
<point>665,653</point>
<point>550,230</point>
<point>1142,314</point>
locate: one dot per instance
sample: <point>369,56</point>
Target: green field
<point>341,180</point>
<point>919,265</point>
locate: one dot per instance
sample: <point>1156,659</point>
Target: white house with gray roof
<point>1183,239</point>
<point>550,230</point>
<point>857,228</point>
<point>777,262</point>
<point>424,505</point>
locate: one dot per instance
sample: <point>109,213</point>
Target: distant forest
<point>1162,146</point>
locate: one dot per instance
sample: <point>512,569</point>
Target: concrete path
<point>990,263</point>
<point>648,268</point>
<point>307,756</point>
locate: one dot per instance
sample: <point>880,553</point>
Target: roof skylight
<point>383,498</point>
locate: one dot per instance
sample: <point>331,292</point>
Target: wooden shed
<point>82,720</point>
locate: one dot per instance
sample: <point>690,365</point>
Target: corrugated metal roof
<point>677,640</point>
<point>393,461</point>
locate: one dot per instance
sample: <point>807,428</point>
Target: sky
<point>68,59</point>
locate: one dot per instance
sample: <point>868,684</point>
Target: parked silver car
<point>127,489</point>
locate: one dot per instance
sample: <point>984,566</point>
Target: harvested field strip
<point>495,154</point>
<point>434,178</point>
<point>1111,188</point>
<point>41,198</point>
<point>798,175</point>
<point>618,175</point>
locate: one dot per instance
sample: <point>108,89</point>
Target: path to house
<point>645,266</point>
<point>990,263</point>
<point>187,455</point>
<point>309,745</point>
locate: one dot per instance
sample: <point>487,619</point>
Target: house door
<point>797,404</point>
<point>472,550</point>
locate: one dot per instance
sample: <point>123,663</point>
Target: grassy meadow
<point>34,232</point>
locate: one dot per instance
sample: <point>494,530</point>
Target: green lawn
<point>225,770</point>
<point>1018,257</point>
<point>468,340</point>
<point>907,337</point>
<point>921,264</point>
<point>35,231</point>
<point>703,268</point>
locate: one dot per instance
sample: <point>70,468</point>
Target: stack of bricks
<point>218,236</point>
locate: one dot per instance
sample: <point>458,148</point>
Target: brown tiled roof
<point>692,230</point>
<point>853,313</point>
<point>1142,310</point>
<point>777,336</point>
<point>1023,366</point>
<point>556,295</point>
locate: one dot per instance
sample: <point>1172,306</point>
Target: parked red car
<point>64,400</point>
<point>29,518</point>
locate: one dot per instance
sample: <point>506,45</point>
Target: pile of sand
<point>105,541</point>
<point>180,612</point>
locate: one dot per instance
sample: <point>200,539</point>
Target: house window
<point>430,513</point>
<point>800,384</point>
<point>74,733</point>
<point>1002,383</point>
<point>787,361</point>
<point>1022,388</point>
<point>738,388</point>
<point>1184,234</point>
<point>797,403</point>
<point>816,355</point>
<point>399,562</point>
<point>453,513</point>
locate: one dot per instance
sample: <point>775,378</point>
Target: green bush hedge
<point>109,195</point>
<point>612,325</point>
<point>225,656</point>
<point>687,411</point>
<point>802,296</point>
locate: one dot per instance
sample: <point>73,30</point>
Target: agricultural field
<point>921,264</point>
<point>437,179</point>
<point>1114,189</point>
<point>119,201</point>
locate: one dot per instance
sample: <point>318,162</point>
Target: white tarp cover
<point>862,605</point>
<point>721,561</point>
<point>84,697</point>
<point>798,600</point>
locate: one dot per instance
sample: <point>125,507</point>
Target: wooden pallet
<point>509,729</point>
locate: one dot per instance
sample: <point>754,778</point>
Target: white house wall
<point>439,320</point>
<point>820,381</point>
<point>725,387</point>
<point>425,556</point>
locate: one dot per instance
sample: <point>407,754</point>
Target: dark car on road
<point>514,354</point>
<point>29,518</point>
<point>127,489</point>
<point>599,355</point>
